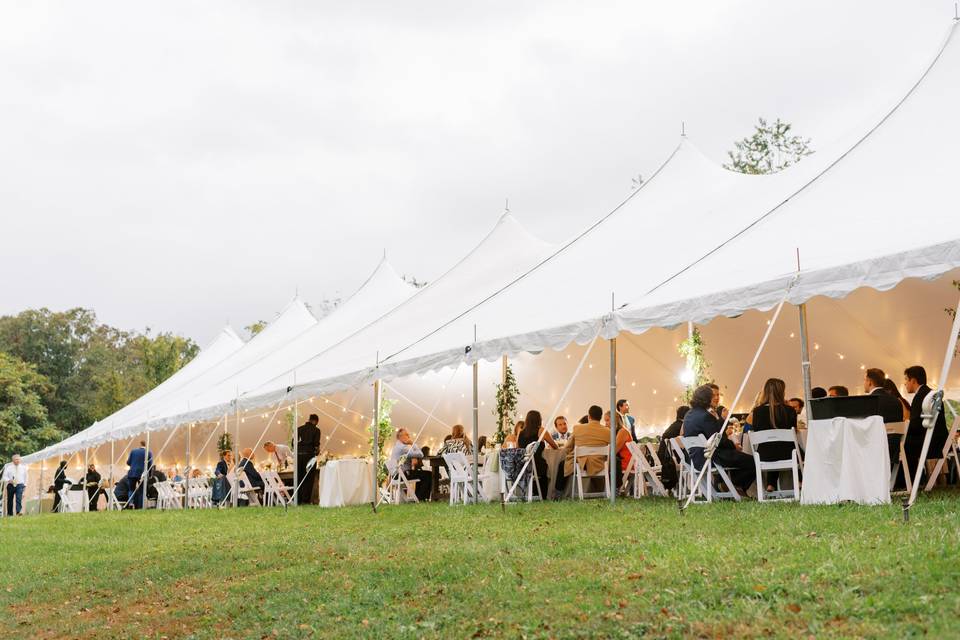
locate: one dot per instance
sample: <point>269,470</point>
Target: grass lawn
<point>542,570</point>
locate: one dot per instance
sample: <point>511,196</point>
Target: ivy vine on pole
<point>508,394</point>
<point>697,365</point>
<point>385,428</point>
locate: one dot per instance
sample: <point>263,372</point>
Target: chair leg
<point>796,478</point>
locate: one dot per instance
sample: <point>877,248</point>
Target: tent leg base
<point>906,509</point>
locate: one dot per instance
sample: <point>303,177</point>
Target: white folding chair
<point>706,490</point>
<point>642,472</point>
<point>651,449</point>
<point>950,452</point>
<point>579,471</point>
<point>900,429</point>
<point>460,472</point>
<point>200,494</point>
<point>788,464</point>
<point>274,491</point>
<point>534,485</point>
<point>65,505</point>
<point>685,475</point>
<point>401,489</point>
<point>244,489</point>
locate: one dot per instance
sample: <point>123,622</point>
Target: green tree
<point>255,327</point>
<point>771,148</point>
<point>24,425</point>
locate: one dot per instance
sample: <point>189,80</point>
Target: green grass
<point>638,569</point>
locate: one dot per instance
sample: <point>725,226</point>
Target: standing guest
<point>891,388</point>
<point>308,447</point>
<point>221,483</point>
<point>818,392</point>
<point>772,412</point>
<point>590,434</point>
<point>92,484</point>
<point>458,442</point>
<point>915,382</point>
<point>59,479</point>
<point>247,467</point>
<point>561,432</point>
<point>409,458</point>
<point>700,420</point>
<point>838,391</point>
<point>623,408</point>
<point>139,463</point>
<point>280,454</point>
<point>14,480</point>
<point>533,433</point>
<point>668,473</point>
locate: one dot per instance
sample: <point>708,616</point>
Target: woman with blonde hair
<point>511,440</point>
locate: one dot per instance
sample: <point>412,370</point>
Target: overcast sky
<point>185,164</point>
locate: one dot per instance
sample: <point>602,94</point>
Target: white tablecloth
<point>343,482</point>
<point>846,459</point>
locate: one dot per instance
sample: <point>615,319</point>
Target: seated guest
<point>838,391</point>
<point>280,454</point>
<point>818,392</point>
<point>915,382</point>
<point>457,442</point>
<point>425,451</point>
<point>798,405</point>
<point>247,467</point>
<point>92,484</point>
<point>482,443</point>
<point>890,408</point>
<point>409,458</point>
<point>561,432</point>
<point>701,421</point>
<point>668,473</point>
<point>221,482</point>
<point>121,490</point>
<point>771,412</point>
<point>606,419</point>
<point>591,434</point>
<point>583,420</point>
<point>623,408</point>
<point>511,440</point>
<point>623,452</point>
<point>196,473</point>
<point>533,432</point>
<point>891,388</point>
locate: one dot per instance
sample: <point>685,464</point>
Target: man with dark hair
<point>818,392</point>
<point>701,421</point>
<point>890,408</point>
<point>140,463</point>
<point>915,382</point>
<point>308,446</point>
<point>720,413</point>
<point>591,434</point>
<point>838,391</point>
<point>796,404</point>
<point>623,408</point>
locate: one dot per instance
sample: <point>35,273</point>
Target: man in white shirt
<point>279,454</point>
<point>14,480</point>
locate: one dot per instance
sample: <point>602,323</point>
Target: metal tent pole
<point>376,438</point>
<point>476,425</point>
<point>86,465</point>
<point>235,499</point>
<point>805,358</point>
<point>613,420</point>
<point>40,487</point>
<point>187,469</point>
<point>296,447</point>
<point>146,471</point>
<point>503,383</point>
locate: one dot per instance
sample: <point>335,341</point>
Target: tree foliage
<point>24,425</point>
<point>255,327</point>
<point>771,148</point>
<point>90,369</point>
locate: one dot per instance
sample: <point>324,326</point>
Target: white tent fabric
<point>223,346</point>
<point>699,242</point>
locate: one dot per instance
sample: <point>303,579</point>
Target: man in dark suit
<point>247,467</point>
<point>890,408</point>
<point>138,461</point>
<point>915,381</point>
<point>308,446</point>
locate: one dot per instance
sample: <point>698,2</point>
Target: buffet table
<point>345,482</point>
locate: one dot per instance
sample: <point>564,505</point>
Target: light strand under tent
<point>504,498</point>
<point>714,441</point>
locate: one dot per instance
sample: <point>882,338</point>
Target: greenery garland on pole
<point>385,432</point>
<point>508,394</point>
<point>697,365</point>
<point>224,442</point>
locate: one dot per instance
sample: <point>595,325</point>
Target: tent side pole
<point>146,471</point>
<point>187,469</point>
<point>236,453</point>
<point>375,455</point>
<point>296,447</point>
<point>613,420</point>
<point>86,465</point>
<point>113,463</point>
<point>40,487</point>
<point>504,363</point>
<point>476,432</point>
<point>805,359</point>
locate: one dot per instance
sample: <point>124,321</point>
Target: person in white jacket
<point>14,480</point>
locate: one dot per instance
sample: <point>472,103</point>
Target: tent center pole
<point>805,359</point>
<point>40,487</point>
<point>476,432</point>
<point>613,420</point>
<point>187,469</point>
<point>375,454</point>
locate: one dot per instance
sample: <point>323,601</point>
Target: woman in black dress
<point>532,428</point>
<point>772,412</point>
